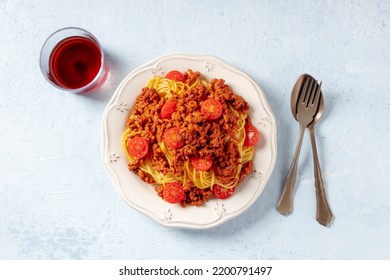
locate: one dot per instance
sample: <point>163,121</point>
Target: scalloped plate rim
<point>187,224</point>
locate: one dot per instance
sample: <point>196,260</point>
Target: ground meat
<point>191,76</point>
<point>159,162</point>
<point>246,169</point>
<point>195,197</point>
<point>144,116</point>
<point>159,190</point>
<point>145,176</point>
<point>222,91</point>
<point>227,163</point>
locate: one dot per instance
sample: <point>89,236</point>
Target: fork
<point>306,109</point>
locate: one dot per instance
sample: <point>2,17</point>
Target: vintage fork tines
<point>308,102</point>
<point>295,94</point>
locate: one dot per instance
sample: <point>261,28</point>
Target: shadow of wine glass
<point>105,92</point>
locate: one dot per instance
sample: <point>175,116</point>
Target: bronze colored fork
<point>306,109</point>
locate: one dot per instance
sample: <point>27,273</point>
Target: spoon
<point>324,214</point>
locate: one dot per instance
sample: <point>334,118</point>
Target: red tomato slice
<point>138,147</point>
<point>173,192</point>
<point>252,135</point>
<point>168,108</point>
<point>211,108</point>
<point>176,76</point>
<point>173,138</point>
<point>202,164</point>
<point>222,193</point>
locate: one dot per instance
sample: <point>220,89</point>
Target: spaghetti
<point>185,132</point>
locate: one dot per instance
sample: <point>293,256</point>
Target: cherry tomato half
<point>173,192</point>
<point>168,108</point>
<point>173,138</point>
<point>211,108</point>
<point>202,164</point>
<point>176,76</point>
<point>222,193</point>
<point>138,147</point>
<point>252,135</point>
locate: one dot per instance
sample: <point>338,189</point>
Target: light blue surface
<point>56,200</point>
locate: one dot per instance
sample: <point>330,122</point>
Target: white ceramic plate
<point>142,196</point>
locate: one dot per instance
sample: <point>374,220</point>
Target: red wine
<point>75,62</point>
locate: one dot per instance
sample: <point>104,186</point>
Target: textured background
<point>56,200</point>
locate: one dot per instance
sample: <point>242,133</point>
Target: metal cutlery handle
<point>324,214</point>
<point>285,205</point>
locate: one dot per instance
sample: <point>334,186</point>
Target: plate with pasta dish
<point>189,140</point>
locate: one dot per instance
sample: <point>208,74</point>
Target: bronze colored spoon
<point>324,214</point>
